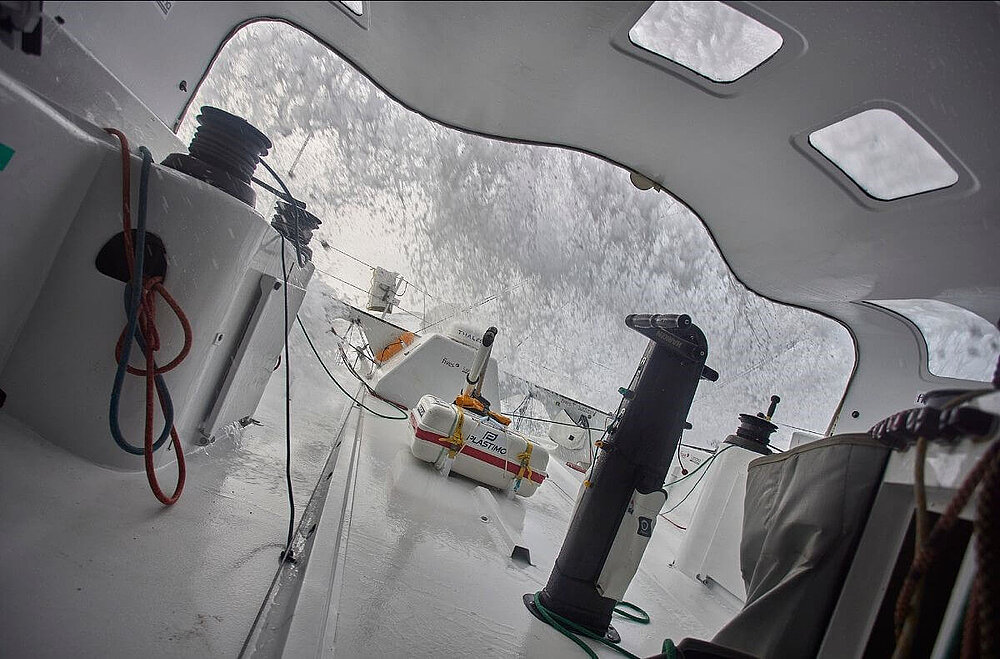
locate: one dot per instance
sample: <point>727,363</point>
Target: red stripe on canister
<point>442,440</point>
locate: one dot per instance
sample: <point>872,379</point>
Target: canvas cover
<point>804,512</point>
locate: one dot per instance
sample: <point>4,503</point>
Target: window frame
<point>793,46</point>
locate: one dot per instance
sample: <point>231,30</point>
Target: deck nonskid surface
<point>424,574</point>
<point>92,566</point>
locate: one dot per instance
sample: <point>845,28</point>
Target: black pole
<point>635,457</point>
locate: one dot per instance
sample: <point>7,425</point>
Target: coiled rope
<point>140,308</point>
<point>979,635</point>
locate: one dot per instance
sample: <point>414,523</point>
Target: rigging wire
<point>287,196</point>
<point>694,487</point>
<point>699,448</point>
<point>339,386</point>
<point>703,465</point>
<point>343,281</point>
<point>535,418</point>
<point>363,290</point>
<point>472,306</point>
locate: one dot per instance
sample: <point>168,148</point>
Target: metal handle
<point>774,405</point>
<point>665,321</point>
<point>474,380</point>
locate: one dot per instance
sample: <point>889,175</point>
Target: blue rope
<point>133,293</point>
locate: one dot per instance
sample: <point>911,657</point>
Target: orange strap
<point>470,403</point>
<point>395,347</point>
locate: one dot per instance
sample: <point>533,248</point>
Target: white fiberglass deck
<point>92,566</point>
<point>419,565</point>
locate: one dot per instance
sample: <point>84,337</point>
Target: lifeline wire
<point>339,386</point>
<point>536,418</point>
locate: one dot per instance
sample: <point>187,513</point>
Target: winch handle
<point>474,380</point>
<point>665,321</point>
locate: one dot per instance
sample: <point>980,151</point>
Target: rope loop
<point>141,329</point>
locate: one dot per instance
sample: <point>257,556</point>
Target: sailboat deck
<point>419,565</point>
<point>402,562</point>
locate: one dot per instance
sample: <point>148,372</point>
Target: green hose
<point>573,631</point>
<point>632,612</point>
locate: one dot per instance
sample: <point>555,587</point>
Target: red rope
<point>932,548</point>
<point>151,286</point>
<point>682,528</point>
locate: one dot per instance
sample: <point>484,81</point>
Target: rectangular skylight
<point>710,38</point>
<point>884,155</point>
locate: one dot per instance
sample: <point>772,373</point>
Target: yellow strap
<point>525,459</point>
<point>455,439</point>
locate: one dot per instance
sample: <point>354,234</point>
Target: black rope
<point>339,386</point>
<point>294,203</point>
<point>286,555</point>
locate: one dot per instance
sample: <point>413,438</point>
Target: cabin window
<point>960,344</point>
<point>884,155</point>
<point>553,246</point>
<point>356,6</point>
<point>710,38</point>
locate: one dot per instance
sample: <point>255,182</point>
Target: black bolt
<point>855,414</point>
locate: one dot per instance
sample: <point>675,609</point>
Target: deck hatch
<point>710,38</point>
<point>884,155</point>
